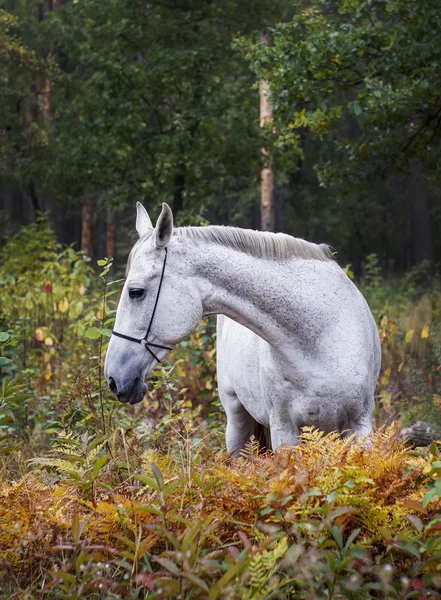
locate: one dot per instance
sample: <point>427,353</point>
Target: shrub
<point>329,518</point>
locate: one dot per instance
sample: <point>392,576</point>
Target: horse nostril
<point>112,385</point>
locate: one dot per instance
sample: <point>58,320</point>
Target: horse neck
<point>255,292</point>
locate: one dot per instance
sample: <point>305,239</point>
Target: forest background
<point>107,103</point>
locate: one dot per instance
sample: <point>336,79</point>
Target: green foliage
<point>408,318</point>
<point>22,140</point>
<point>43,289</point>
<point>78,458</point>
<point>361,75</point>
<point>155,102</point>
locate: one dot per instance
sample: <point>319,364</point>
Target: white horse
<point>296,344</point>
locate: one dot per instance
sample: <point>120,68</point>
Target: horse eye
<point>136,293</point>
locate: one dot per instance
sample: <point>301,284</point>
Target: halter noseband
<point>144,340</point>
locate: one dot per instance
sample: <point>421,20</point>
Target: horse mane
<point>261,244</point>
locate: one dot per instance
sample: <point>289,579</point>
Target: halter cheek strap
<point>144,341</point>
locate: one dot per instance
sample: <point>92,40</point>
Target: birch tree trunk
<point>267,176</point>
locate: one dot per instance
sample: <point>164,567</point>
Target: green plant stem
<point>100,365</point>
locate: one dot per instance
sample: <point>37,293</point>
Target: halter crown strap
<point>144,340</point>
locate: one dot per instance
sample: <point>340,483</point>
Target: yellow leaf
<point>39,335</point>
<point>99,314</point>
<point>392,325</point>
<point>425,332</point>
<point>386,398</point>
<point>63,305</point>
<point>409,336</point>
<point>49,341</point>
<point>46,357</point>
<point>386,375</point>
<point>437,400</point>
<point>28,303</point>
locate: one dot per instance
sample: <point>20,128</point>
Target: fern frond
<point>251,449</point>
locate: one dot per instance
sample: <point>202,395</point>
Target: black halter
<point>144,340</point>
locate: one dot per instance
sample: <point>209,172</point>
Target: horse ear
<point>143,222</point>
<point>164,226</point>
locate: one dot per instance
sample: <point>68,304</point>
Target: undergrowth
<point>329,518</point>
<point>105,501</point>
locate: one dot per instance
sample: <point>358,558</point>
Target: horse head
<point>160,305</point>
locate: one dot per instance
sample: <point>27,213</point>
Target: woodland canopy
<point>106,103</point>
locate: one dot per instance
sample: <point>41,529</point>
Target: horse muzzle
<point>129,391</point>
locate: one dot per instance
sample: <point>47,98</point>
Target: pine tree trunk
<point>266,199</point>
<point>267,175</point>
<point>87,227</point>
<point>111,234</point>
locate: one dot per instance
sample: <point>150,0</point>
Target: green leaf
<point>428,497</point>
<point>158,477</point>
<point>68,577</point>
<point>4,337</point>
<point>105,332</point>
<point>351,538</point>
<point>5,361</point>
<point>150,509</point>
<point>411,548</point>
<point>100,463</point>
<point>267,511</point>
<point>314,493</point>
<point>101,262</point>
<point>433,449</point>
<point>147,481</point>
<point>337,536</point>
<point>167,564</point>
<point>93,333</point>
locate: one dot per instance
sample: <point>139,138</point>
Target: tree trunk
<point>266,199</point>
<point>420,216</point>
<point>111,234</point>
<point>266,176</point>
<point>34,198</point>
<point>87,227</point>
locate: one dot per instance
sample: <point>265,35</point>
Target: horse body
<point>321,372</point>
<point>297,344</point>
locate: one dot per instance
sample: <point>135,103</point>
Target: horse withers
<point>296,342</point>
